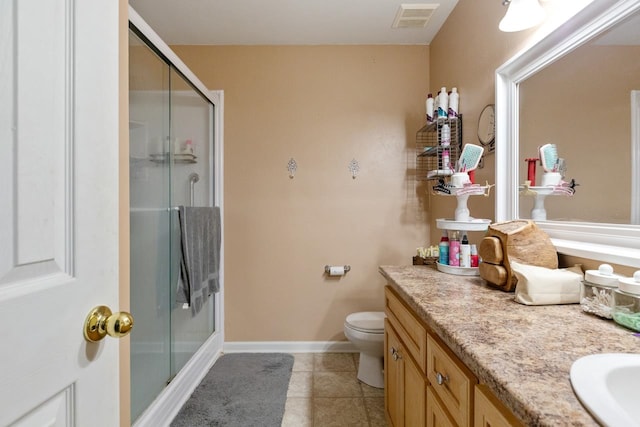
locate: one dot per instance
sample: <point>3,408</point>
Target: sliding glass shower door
<point>150,222</point>
<point>191,184</point>
<point>171,164</point>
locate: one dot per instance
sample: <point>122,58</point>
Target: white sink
<point>608,385</point>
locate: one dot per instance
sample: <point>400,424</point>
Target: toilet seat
<point>371,322</point>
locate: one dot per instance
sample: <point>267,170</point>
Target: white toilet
<point>366,331</point>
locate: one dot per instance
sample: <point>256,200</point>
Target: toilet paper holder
<point>327,268</point>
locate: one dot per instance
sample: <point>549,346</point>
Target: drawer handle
<point>441,379</point>
<point>395,354</point>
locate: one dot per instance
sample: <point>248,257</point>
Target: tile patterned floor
<point>324,392</point>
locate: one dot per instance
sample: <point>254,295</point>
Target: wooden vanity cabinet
<point>436,415</point>
<point>425,383</point>
<point>451,381</point>
<point>490,412</point>
<point>403,382</point>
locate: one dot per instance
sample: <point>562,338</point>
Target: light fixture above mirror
<point>521,15</point>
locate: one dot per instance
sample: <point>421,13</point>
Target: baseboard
<point>289,347</point>
<point>168,403</point>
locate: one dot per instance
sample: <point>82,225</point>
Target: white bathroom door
<point>58,210</point>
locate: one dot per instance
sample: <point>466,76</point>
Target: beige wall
<point>322,106</point>
<point>465,54</point>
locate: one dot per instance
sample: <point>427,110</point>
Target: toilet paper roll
<point>336,271</point>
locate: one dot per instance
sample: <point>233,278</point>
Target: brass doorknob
<point>102,322</point>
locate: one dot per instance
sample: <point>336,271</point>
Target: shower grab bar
<point>193,178</point>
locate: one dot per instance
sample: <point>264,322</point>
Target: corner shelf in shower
<point>177,158</point>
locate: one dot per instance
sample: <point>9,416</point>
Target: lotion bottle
<point>445,135</point>
<point>454,100</point>
<point>465,252</point>
<point>443,249</point>
<point>443,103</point>
<point>429,105</point>
<point>446,162</point>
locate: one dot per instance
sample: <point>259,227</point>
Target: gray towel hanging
<point>200,240</point>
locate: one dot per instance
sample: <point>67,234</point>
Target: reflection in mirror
<point>568,89</point>
<point>582,103</point>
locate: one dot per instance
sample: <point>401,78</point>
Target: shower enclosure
<point>172,163</point>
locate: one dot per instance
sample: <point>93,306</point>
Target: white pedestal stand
<point>538,212</point>
<point>463,222</point>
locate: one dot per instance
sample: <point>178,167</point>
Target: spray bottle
<point>454,250</point>
<point>443,249</point>
<point>465,252</point>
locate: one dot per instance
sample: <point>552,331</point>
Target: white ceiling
<point>280,22</point>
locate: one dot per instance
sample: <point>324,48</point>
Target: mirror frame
<point>615,243</point>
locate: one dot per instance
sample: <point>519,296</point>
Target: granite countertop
<point>523,353</point>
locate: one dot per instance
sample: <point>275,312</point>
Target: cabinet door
<point>490,412</point>
<point>405,385</point>
<point>436,415</point>
<point>452,381</point>
<point>415,389</point>
<point>393,377</point>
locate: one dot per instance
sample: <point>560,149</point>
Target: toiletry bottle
<point>436,103</point>
<point>429,105</point>
<point>443,249</point>
<point>465,252</point>
<point>531,170</point>
<point>474,256</point>
<point>454,250</point>
<point>443,103</point>
<point>454,100</point>
<point>445,135</point>
<point>446,164</point>
<point>188,147</point>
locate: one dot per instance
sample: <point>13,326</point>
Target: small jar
<point>626,310</point>
<point>597,299</point>
<point>596,292</point>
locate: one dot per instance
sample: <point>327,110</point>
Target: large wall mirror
<point>577,88</point>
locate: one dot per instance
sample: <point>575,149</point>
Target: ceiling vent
<point>414,15</point>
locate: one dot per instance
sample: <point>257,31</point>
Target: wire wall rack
<point>431,153</point>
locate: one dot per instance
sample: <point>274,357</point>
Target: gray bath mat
<point>241,389</point>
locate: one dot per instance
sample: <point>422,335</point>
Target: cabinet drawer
<point>452,382</point>
<point>490,412</point>
<point>411,331</point>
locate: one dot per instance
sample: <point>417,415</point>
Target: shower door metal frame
<point>171,399</point>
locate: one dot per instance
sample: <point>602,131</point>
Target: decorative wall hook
<point>292,166</point>
<point>354,168</point>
